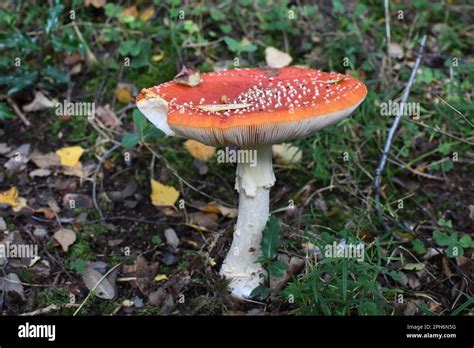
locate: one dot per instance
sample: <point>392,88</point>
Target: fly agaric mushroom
<point>263,106</point>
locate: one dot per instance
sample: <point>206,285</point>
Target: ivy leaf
<point>139,121</point>
<point>260,292</point>
<point>455,250</point>
<point>442,239</point>
<point>129,140</point>
<point>271,239</point>
<point>277,269</point>
<point>418,246</point>
<point>465,241</point>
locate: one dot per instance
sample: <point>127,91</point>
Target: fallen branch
<point>19,113</point>
<point>49,309</point>
<point>393,129</point>
<point>94,182</point>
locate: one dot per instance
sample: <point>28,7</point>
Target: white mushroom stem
<point>253,182</point>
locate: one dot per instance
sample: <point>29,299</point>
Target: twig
<point>456,110</point>
<point>49,309</point>
<point>17,110</point>
<point>94,182</point>
<point>449,135</point>
<point>387,31</point>
<point>95,287</point>
<point>393,129</point>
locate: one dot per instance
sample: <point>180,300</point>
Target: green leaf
<point>442,239</point>
<point>232,44</point>
<point>277,269</point>
<point>465,241</point>
<point>153,132</point>
<point>129,140</point>
<point>271,239</point>
<point>445,223</point>
<point>156,240</point>
<point>455,250</point>
<point>418,246</point>
<point>139,121</point>
<point>57,75</point>
<point>78,265</point>
<point>53,19</point>
<point>260,292</point>
<point>5,111</point>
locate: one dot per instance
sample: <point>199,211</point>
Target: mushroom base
<point>240,264</point>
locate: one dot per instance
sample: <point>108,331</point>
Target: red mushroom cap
<point>256,106</point>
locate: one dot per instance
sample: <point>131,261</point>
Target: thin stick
<point>393,129</point>
<point>94,182</point>
<point>456,110</point>
<point>49,309</point>
<point>387,31</point>
<point>17,110</point>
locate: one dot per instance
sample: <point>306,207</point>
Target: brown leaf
<point>39,102</point>
<point>107,116</point>
<point>188,77</point>
<point>45,161</point>
<point>95,3</point>
<point>207,220</point>
<point>65,238</point>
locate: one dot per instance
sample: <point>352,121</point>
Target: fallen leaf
<point>200,151</point>
<point>213,207</point>
<point>12,283</point>
<point>395,50</point>
<point>123,95</point>
<point>287,153</point>
<point>147,13</point>
<point>65,238</point>
<point>9,197</point>
<point>39,172</point>
<point>207,220</point>
<point>129,12</point>
<point>171,238</point>
<point>161,277</point>
<point>18,158</point>
<point>414,266</point>
<point>107,116</point>
<point>157,57</point>
<point>76,200</point>
<point>95,3</point>
<point>45,161</point>
<point>105,290</point>
<point>4,148</point>
<point>276,58</point>
<point>188,77</point>
<point>162,195</point>
<point>39,102</point>
<point>69,156</point>
<point>222,107</point>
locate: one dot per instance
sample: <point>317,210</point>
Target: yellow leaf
<point>200,151</point>
<point>287,153</point>
<point>123,95</point>
<point>9,197</point>
<point>158,57</point>
<point>162,195</point>
<point>147,14</point>
<point>69,156</point>
<point>161,277</point>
